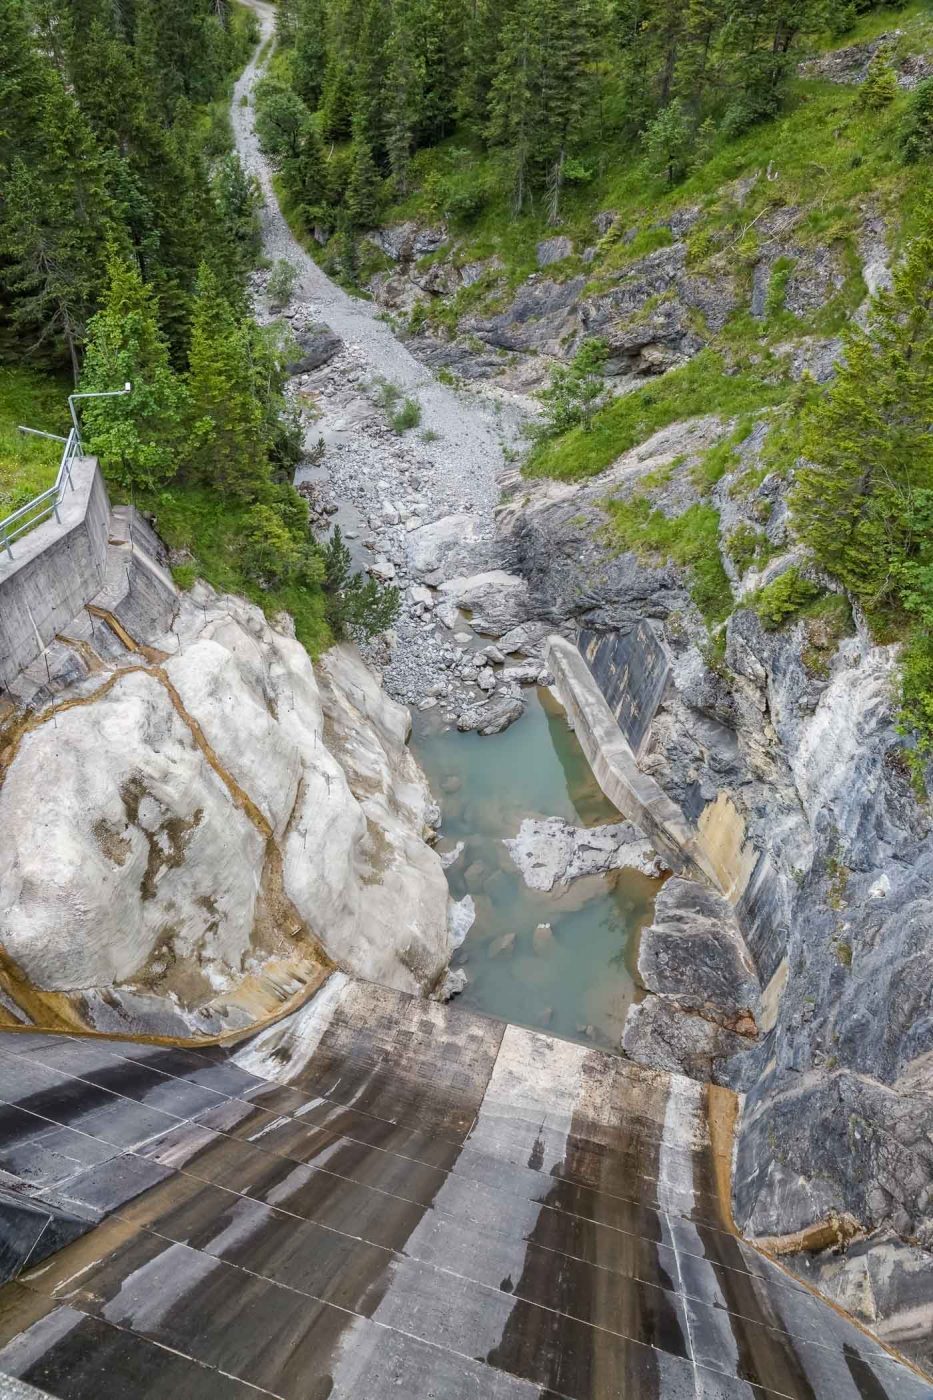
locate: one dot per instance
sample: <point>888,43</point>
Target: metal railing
<point>46,504</point>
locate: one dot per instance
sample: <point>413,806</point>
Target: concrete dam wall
<point>631,669</point>
<point>55,570</point>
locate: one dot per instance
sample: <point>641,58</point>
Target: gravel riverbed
<point>416,507</point>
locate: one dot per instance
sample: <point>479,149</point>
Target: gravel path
<point>388,485</point>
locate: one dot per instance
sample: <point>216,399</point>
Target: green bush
<point>915,132</point>
<point>747,546</point>
<point>406,417</point>
<point>574,390</point>
<point>880,86</point>
<point>356,606</point>
<point>783,598</point>
<point>281,283</point>
<point>777,287</point>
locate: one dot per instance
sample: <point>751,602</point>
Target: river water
<point>579,979</point>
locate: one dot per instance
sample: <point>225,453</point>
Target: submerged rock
<point>552,852</point>
<point>461,916</point>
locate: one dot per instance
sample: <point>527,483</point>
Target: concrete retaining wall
<point>631,669</point>
<point>56,568</point>
<point>615,768</point>
<point>714,849</point>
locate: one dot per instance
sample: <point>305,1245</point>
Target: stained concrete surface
<point>382,1196</point>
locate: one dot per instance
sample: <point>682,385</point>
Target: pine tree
<point>364,185</point>
<point>542,90</point>
<point>667,141</point>
<point>512,107</point>
<point>54,211</point>
<point>867,443</point>
<point>915,132</point>
<point>404,99</point>
<point>238,199</point>
<point>308,177</point>
<point>227,445</point>
<point>309,51</point>
<point>137,438</point>
<point>880,86</point>
<point>337,98</point>
<point>369,75</point>
<point>482,30</point>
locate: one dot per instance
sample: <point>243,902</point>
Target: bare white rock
<point>551,852</point>
<point>184,809</point>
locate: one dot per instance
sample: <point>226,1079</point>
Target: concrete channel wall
<point>55,569</point>
<point>609,754</point>
<point>714,848</point>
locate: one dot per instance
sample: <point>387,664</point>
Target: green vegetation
<point>861,499</point>
<point>128,230</point>
<point>701,386</point>
<point>281,284</point>
<point>826,621</point>
<point>28,464</point>
<point>403,414</point>
<point>574,391</point>
<point>777,287</point>
<point>784,598</point>
<point>748,547</point>
<point>915,132</point>
<point>225,539</point>
<point>690,539</point>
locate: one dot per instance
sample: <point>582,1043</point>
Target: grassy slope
<point>28,465</point>
<point>824,155</point>
<point>209,526</point>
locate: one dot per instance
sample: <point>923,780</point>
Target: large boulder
<point>184,823</point>
<point>315,345</point>
<point>498,600</point>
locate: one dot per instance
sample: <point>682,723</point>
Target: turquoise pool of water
<point>579,980</point>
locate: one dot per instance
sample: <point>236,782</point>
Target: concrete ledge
<point>55,569</point>
<point>614,766</point>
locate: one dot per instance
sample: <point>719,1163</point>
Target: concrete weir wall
<point>609,754</point>
<point>55,569</point>
<point>593,683</point>
<point>631,669</point>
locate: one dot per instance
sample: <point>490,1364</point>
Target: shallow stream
<point>578,980</point>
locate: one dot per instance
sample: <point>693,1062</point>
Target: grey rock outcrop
<point>703,991</point>
<point>552,250</point>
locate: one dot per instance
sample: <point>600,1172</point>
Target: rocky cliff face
<point>796,728</point>
<point>195,821</point>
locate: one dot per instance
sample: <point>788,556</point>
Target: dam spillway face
<point>382,1197</point>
